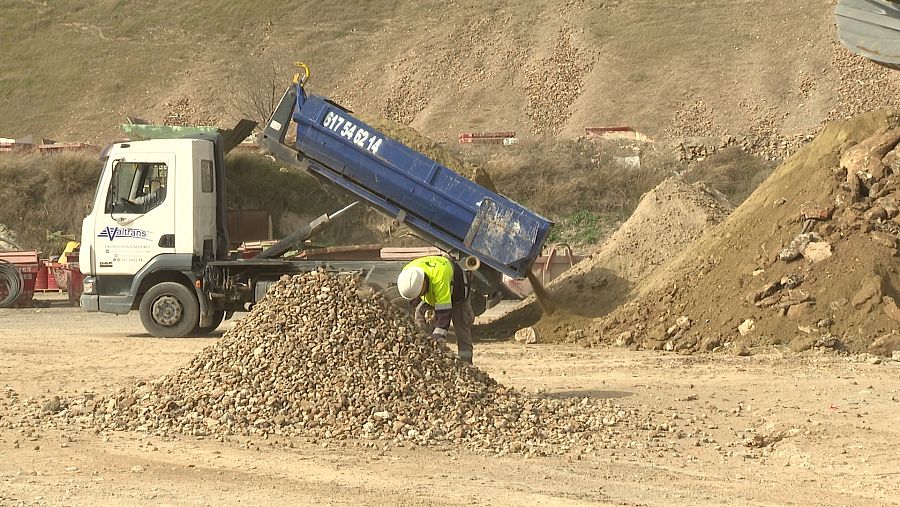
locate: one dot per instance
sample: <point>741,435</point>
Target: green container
<point>139,132</point>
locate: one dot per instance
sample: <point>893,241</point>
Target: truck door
<point>138,222</point>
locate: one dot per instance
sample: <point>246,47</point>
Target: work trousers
<point>462,318</point>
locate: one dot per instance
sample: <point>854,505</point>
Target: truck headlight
<point>87,285</point>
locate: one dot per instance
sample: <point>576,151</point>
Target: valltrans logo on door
<point>112,233</point>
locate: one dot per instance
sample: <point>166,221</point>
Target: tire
<point>218,317</point>
<point>170,310</point>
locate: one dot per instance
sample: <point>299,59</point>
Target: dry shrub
<point>558,179</point>
<point>256,182</point>
<point>42,195</point>
<point>733,172</point>
<point>292,197</point>
<point>71,184</point>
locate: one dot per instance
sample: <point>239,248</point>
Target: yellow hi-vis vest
<point>439,271</point>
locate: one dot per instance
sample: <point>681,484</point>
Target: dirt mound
<point>809,259</point>
<point>323,357</point>
<point>669,217</point>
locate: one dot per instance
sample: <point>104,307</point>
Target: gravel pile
<point>694,133</point>
<point>407,98</point>
<point>323,357</point>
<point>863,85</point>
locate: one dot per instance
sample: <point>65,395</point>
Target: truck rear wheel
<point>217,318</point>
<point>170,310</point>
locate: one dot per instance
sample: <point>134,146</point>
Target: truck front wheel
<point>170,310</point>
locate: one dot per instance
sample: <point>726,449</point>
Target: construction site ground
<point>813,429</point>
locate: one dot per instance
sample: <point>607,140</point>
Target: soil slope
<point>538,67</point>
<point>809,259</point>
<point>668,219</point>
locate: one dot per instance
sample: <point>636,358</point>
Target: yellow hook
<point>298,79</point>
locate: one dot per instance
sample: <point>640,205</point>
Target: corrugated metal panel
<point>870,28</point>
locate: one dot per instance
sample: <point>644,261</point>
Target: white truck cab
<point>154,219</point>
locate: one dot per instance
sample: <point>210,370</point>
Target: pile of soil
<point>668,219</point>
<point>809,259</point>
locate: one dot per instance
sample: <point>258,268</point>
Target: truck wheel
<point>170,310</point>
<point>217,319</point>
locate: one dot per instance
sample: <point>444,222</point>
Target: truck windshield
<point>136,187</point>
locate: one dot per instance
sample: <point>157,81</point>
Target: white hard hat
<point>410,282</point>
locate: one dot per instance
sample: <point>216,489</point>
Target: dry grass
<point>42,195</point>
<point>255,182</point>
<point>732,172</point>
<point>561,178</point>
<point>294,197</point>
<point>577,184</point>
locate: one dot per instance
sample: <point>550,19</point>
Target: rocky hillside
<point>772,71</point>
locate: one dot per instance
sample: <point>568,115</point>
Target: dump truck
<point>156,239</point>
<point>870,28</point>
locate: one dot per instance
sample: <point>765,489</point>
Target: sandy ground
<point>827,432</point>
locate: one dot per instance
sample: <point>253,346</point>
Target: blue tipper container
<point>440,205</point>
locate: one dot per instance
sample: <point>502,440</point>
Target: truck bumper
<point>90,302</point>
<point>119,305</point>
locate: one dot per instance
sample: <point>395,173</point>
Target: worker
<point>439,284</point>
<point>151,199</point>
